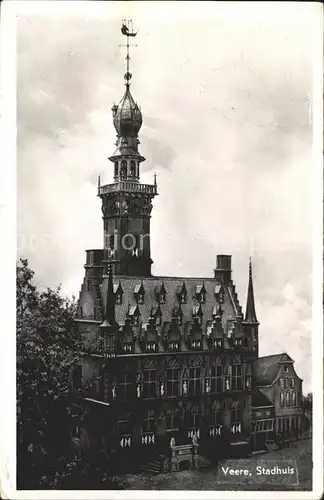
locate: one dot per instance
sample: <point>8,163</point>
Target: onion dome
<point>127,116</point>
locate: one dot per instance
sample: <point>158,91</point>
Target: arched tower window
<point>116,168</point>
<point>123,170</point>
<point>133,168</point>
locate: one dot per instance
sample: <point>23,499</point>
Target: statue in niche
<point>227,384</point>
<point>162,388</point>
<point>138,390</point>
<point>113,391</point>
<point>207,385</point>
<point>185,387</point>
<point>172,442</point>
<point>125,206</point>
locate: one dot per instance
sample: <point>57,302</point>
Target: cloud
<point>226,104</point>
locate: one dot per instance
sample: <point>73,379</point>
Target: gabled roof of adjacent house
<point>259,399</point>
<point>266,368</point>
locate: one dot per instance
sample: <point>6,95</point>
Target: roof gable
<point>266,369</point>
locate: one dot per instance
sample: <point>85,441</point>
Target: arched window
<point>195,417</point>
<point>126,385</point>
<point>217,376</point>
<point>173,378</point>
<point>235,412</point>
<point>133,168</point>
<point>116,168</point>
<point>215,414</point>
<point>237,376</point>
<point>123,170</point>
<point>149,422</point>
<point>149,380</point>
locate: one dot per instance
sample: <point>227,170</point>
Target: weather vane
<point>128,31</point>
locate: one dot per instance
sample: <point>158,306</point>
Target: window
<point>286,369</point>
<point>281,383</point>
<point>136,319</point>
<point>237,378</point>
<point>158,320</point>
<point>173,375</point>
<point>235,413</point>
<point>286,383</point>
<point>216,378</point>
<point>149,383</point>
<point>195,381</point>
<point>195,417</point>
<point>172,420</point>
<point>77,376</point>
<point>288,399</point>
<point>140,298</point>
<point>149,422</point>
<point>162,298</point>
<point>109,344</point>
<point>124,423</point>
<point>118,298</point>
<point>292,383</point>
<point>183,298</point>
<point>133,168</point>
<point>215,414</point>
<point>126,385</point>
<point>116,168</point>
<point>282,398</point>
<point>293,399</point>
<point>123,170</point>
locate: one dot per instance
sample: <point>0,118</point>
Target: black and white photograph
<point>167,294</point>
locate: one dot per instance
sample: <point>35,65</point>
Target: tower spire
<point>250,314</point>
<point>110,317</point>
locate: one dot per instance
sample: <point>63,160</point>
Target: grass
<point>298,456</point>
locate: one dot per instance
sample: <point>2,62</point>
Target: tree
<point>47,348</point>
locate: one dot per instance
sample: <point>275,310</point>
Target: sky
<point>226,96</point>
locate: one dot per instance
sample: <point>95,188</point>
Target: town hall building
<point>171,368</point>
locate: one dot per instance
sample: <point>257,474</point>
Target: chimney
<point>223,269</point>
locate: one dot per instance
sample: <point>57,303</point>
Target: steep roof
<point>172,286</point>
<point>266,368</point>
<point>259,399</point>
<point>250,314</point>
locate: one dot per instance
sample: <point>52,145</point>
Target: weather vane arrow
<point>128,31</point>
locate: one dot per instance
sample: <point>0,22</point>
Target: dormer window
<point>134,315</point>
<point>139,293</point>
<point>118,291</point>
<point>197,314</point>
<point>201,293</point>
<point>156,315</point>
<point>160,294</point>
<point>182,294</point>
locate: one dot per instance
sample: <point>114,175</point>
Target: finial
<point>154,179</point>
<point>127,30</point>
<point>98,181</point>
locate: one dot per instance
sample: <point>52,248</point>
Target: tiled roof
<point>266,368</point>
<point>172,287</point>
<point>259,399</point>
